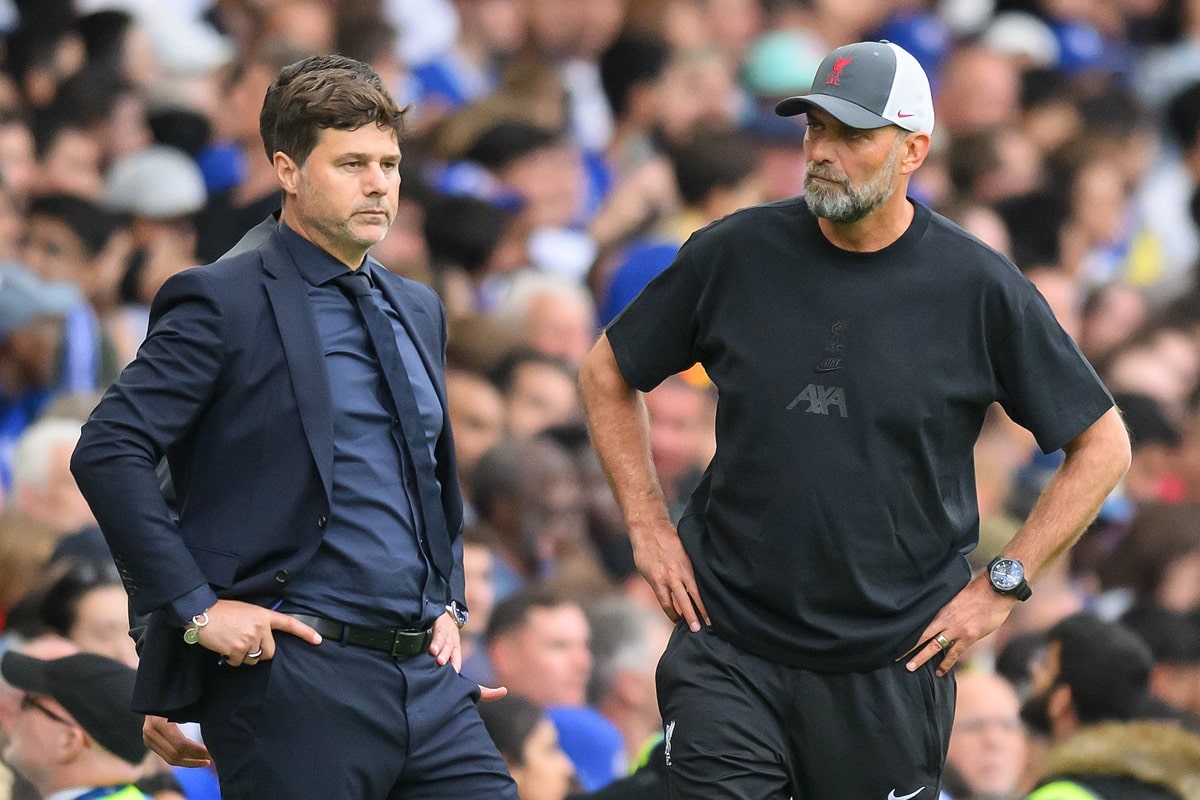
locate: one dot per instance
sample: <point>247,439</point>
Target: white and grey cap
<point>868,85</point>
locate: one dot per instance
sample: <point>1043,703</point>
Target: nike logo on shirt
<point>893,796</point>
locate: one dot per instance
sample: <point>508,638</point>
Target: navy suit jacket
<point>231,385</point>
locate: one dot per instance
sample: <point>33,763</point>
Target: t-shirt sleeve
<point>1049,387</point>
<point>655,336</point>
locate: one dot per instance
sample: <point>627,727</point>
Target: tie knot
<point>354,283</point>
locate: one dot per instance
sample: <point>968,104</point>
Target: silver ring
<point>943,642</point>
<point>257,653</point>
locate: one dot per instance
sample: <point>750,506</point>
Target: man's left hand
<point>446,647</point>
<point>972,614</point>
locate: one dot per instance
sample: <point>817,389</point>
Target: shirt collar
<point>316,265</point>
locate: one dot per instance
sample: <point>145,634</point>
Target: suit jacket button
<point>321,520</point>
<point>281,576</point>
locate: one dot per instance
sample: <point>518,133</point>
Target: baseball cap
<point>159,182</point>
<point>869,85</point>
<point>24,297</point>
<point>95,690</point>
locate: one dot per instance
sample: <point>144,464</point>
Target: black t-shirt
<point>831,525</point>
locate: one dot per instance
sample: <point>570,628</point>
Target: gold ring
<point>943,642</point>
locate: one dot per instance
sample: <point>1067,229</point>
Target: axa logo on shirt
<point>821,400</point>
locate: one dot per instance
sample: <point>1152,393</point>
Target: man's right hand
<point>662,561</point>
<point>165,739</point>
<point>235,630</point>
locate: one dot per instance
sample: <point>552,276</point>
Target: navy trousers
<point>332,721</point>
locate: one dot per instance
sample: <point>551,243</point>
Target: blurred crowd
<point>558,153</point>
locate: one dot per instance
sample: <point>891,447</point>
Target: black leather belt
<point>397,642</point>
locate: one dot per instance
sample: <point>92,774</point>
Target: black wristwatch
<point>457,613</point>
<point>1007,576</point>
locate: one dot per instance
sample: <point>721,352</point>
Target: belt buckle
<point>403,643</point>
<point>397,638</point>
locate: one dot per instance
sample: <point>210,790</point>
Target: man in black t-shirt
<point>857,340</point>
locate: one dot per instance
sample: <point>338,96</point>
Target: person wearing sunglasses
<point>74,737</point>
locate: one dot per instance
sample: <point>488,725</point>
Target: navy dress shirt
<point>371,567</point>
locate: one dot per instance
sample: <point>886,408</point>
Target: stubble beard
<point>341,232</point>
<point>840,201</point>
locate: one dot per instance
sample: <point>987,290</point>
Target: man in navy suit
<point>305,602</point>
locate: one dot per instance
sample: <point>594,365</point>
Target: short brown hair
<point>320,93</point>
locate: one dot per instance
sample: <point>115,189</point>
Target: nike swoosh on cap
<point>893,796</point>
<point>903,115</point>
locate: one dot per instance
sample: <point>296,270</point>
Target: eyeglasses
<point>29,701</point>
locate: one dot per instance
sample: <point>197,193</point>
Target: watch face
<point>1007,574</point>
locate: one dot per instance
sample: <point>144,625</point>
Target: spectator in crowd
<point>680,414</point>
<point>72,239</point>
<point>43,647</point>
<point>232,210</point>
<point>475,247</point>
<point>74,730</point>
<point>18,160</point>
<point>1091,697</point>
<point>529,743</point>
<point>1155,440</point>
<point>1162,198</point>
<point>1174,641</point>
<point>627,640</point>
<point>87,606</point>
<point>31,332</point>
<point>25,550</point>
<point>631,71</point>
<point>528,495</point>
<point>476,411</point>
<point>479,558</point>
<point>161,189</point>
<point>988,746</point>
<point>553,315</point>
<point>69,158</point>
<point>978,88</point>
<point>490,34</point>
<point>1109,316</point>
<point>1158,560</point>
<point>43,488</point>
<point>607,535</point>
<point>543,170</point>
<point>538,645</point>
<point>161,786</point>
<point>539,392</point>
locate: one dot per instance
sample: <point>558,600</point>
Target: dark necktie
<point>357,285</point>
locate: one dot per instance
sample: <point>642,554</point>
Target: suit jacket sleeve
<point>151,407</point>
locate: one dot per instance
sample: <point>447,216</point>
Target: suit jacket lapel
<point>302,348</point>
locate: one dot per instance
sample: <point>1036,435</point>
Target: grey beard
<point>850,204</point>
